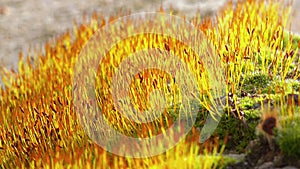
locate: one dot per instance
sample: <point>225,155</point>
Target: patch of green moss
<point>240,133</point>
<point>255,82</point>
<point>247,103</point>
<point>289,139</point>
<point>201,116</point>
<point>293,86</point>
<point>227,161</point>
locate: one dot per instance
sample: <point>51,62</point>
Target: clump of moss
<point>296,86</point>
<point>247,103</point>
<point>239,134</point>
<point>256,82</point>
<point>289,139</point>
<point>292,86</point>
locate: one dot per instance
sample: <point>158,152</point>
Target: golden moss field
<point>41,124</point>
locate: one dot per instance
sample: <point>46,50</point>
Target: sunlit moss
<point>38,125</point>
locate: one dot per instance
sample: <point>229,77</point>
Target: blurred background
<point>31,23</point>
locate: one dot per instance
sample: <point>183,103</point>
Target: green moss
<point>293,86</point>
<point>255,82</point>
<point>201,117</point>
<point>289,139</point>
<point>227,161</point>
<point>295,40</point>
<point>247,103</point>
<point>239,133</point>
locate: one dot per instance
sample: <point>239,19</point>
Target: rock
<point>266,165</point>
<point>289,167</point>
<point>266,157</point>
<point>237,157</point>
<point>279,161</point>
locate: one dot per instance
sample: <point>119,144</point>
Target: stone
<point>266,165</point>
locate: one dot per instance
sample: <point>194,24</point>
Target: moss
<point>256,82</point>
<point>289,139</point>
<point>40,94</point>
<point>293,86</point>
<point>227,161</point>
<point>239,133</point>
<point>295,40</point>
<point>247,103</point>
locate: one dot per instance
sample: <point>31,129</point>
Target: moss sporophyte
<point>40,128</point>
